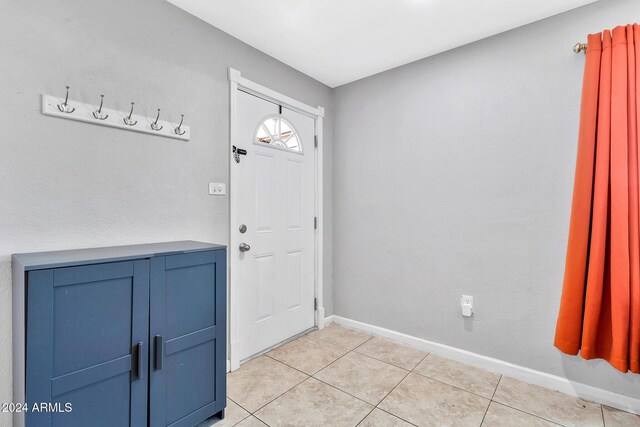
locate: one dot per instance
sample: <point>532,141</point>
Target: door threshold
<point>288,340</point>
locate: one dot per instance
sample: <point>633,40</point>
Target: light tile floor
<point>342,377</point>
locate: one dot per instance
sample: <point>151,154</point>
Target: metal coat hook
<point>178,130</point>
<point>64,107</point>
<point>154,125</point>
<point>128,120</point>
<point>99,114</point>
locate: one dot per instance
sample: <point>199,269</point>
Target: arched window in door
<point>279,133</point>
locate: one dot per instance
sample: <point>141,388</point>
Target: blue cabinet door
<point>188,334</point>
<point>87,345</point>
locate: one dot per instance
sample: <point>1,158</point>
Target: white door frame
<point>236,82</point>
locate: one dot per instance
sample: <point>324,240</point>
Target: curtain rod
<point>580,47</point>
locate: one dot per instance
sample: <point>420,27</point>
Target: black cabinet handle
<point>139,356</point>
<point>159,352</point>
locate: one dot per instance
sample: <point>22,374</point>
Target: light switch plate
<point>217,188</point>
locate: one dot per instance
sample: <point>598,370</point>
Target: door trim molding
<point>271,95</point>
<point>237,82</point>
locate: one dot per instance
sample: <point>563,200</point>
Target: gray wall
<point>454,175</point>
<point>65,184</point>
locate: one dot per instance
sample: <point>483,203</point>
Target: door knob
<point>244,247</point>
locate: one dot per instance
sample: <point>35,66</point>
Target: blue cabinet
<point>128,336</point>
<point>87,329</point>
<point>188,367</point>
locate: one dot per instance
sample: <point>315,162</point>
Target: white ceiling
<point>339,41</point>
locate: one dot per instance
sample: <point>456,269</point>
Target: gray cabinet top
<point>42,260</point>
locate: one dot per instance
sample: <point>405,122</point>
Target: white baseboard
<point>528,375</point>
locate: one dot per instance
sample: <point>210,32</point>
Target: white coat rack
<point>100,115</point>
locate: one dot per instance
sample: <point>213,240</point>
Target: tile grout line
<point>322,341</point>
<point>240,420</point>
<point>451,385</point>
<point>277,397</point>
<point>314,377</point>
<point>345,392</point>
<point>526,412</point>
<point>467,391</point>
<point>358,350</point>
<point>330,385</point>
<point>350,351</point>
<point>392,364</point>
<point>319,380</point>
<point>245,409</point>
<point>324,367</point>
<point>394,415</point>
<point>289,389</point>
<point>289,366</point>
<point>234,424</point>
<point>421,360</point>
<point>496,388</point>
<point>441,382</point>
<point>529,413</point>
<point>339,345</point>
<point>365,416</point>
<point>377,405</point>
<point>490,401</point>
<point>385,396</point>
<point>508,406</point>
<point>391,391</point>
<point>484,397</point>
<point>368,357</point>
<point>248,416</point>
<point>365,355</point>
<point>259,419</point>
<point>514,408</point>
<point>339,389</point>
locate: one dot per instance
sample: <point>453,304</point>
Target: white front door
<point>274,223</point>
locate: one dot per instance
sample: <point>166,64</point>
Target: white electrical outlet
<point>466,304</point>
<point>217,189</point>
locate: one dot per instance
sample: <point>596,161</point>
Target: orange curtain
<point>600,306</point>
